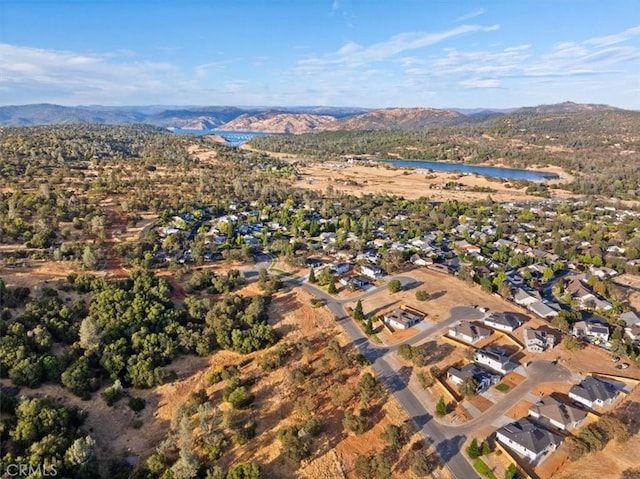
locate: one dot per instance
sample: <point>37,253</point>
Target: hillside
<point>567,107</point>
<point>398,119</point>
<point>279,122</point>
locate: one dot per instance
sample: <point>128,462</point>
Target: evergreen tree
<point>441,407</point>
<point>331,289</point>
<point>312,276</point>
<point>369,326</point>
<point>357,311</point>
<point>473,450</point>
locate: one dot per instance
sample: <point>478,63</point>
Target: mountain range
<point>293,120</point>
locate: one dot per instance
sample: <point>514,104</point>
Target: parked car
<point>615,359</point>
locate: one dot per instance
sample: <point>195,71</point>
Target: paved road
<point>447,440</point>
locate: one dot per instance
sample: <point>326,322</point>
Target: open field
<point>360,180</point>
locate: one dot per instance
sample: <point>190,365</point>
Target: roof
<point>542,309</point>
<point>593,389</point>
<point>557,411</point>
<point>469,329</point>
<point>576,288</point>
<point>471,370</point>
<point>630,318</point>
<point>531,335</point>
<point>505,319</point>
<point>402,317</point>
<point>529,435</point>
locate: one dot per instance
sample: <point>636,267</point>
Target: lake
<point>234,138</point>
<point>494,171</point>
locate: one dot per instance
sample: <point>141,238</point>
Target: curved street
<point>446,439</point>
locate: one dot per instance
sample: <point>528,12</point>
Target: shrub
<point>394,286</point>
<point>137,404</point>
<point>422,295</point>
<point>240,398</point>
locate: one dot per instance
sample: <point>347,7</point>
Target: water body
<point>234,138</point>
<point>494,171</point>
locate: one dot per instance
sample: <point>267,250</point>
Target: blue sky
<point>369,53</point>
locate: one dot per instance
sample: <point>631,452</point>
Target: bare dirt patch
<point>410,183</point>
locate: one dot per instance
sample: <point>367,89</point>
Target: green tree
<point>473,449</point>
<point>331,289</point>
<point>422,295</point>
<point>249,470</point>
<point>312,276</point>
<point>511,472</point>
<point>357,311</point>
<point>468,387</point>
<point>441,407</point>
<point>369,326</point>
<point>394,286</point>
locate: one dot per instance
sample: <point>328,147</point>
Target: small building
<point>372,271</point>
<point>528,440</point>
<point>537,340</point>
<point>591,331</point>
<point>483,377</point>
<point>594,392</point>
<point>525,298</point>
<point>558,414</point>
<point>469,332</point>
<point>503,321</point>
<point>494,359</point>
<point>542,310</point>
<point>314,263</point>
<point>401,319</point>
<point>340,268</point>
<point>630,318</point>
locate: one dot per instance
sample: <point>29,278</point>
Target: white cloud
<point>472,14</point>
<point>479,83</point>
<point>615,38</point>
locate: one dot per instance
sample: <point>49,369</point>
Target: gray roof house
<point>630,318</point>
<point>542,310</point>
<point>591,331</point>
<point>483,377</point>
<point>528,439</point>
<point>594,392</point>
<point>401,319</point>
<point>537,340</point>
<point>469,332</point>
<point>503,321</point>
<point>558,414</point>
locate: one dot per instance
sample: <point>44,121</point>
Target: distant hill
<point>280,122</point>
<point>294,120</point>
<point>566,107</point>
<point>47,114</point>
<point>398,119</point>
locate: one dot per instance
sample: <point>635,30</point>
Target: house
<point>581,293</point>
<point>483,377</point>
<point>537,340</point>
<point>372,271</point>
<point>401,319</point>
<point>591,331</point>
<point>542,310</point>
<point>494,359</point>
<point>528,439</point>
<point>525,298</point>
<point>340,268</point>
<point>355,282</point>
<point>503,321</point>
<point>469,332</point>
<point>417,260</point>
<point>558,414</point>
<point>630,318</point>
<point>314,263</point>
<point>594,392</point>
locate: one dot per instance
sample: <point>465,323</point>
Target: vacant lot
<point>360,180</point>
